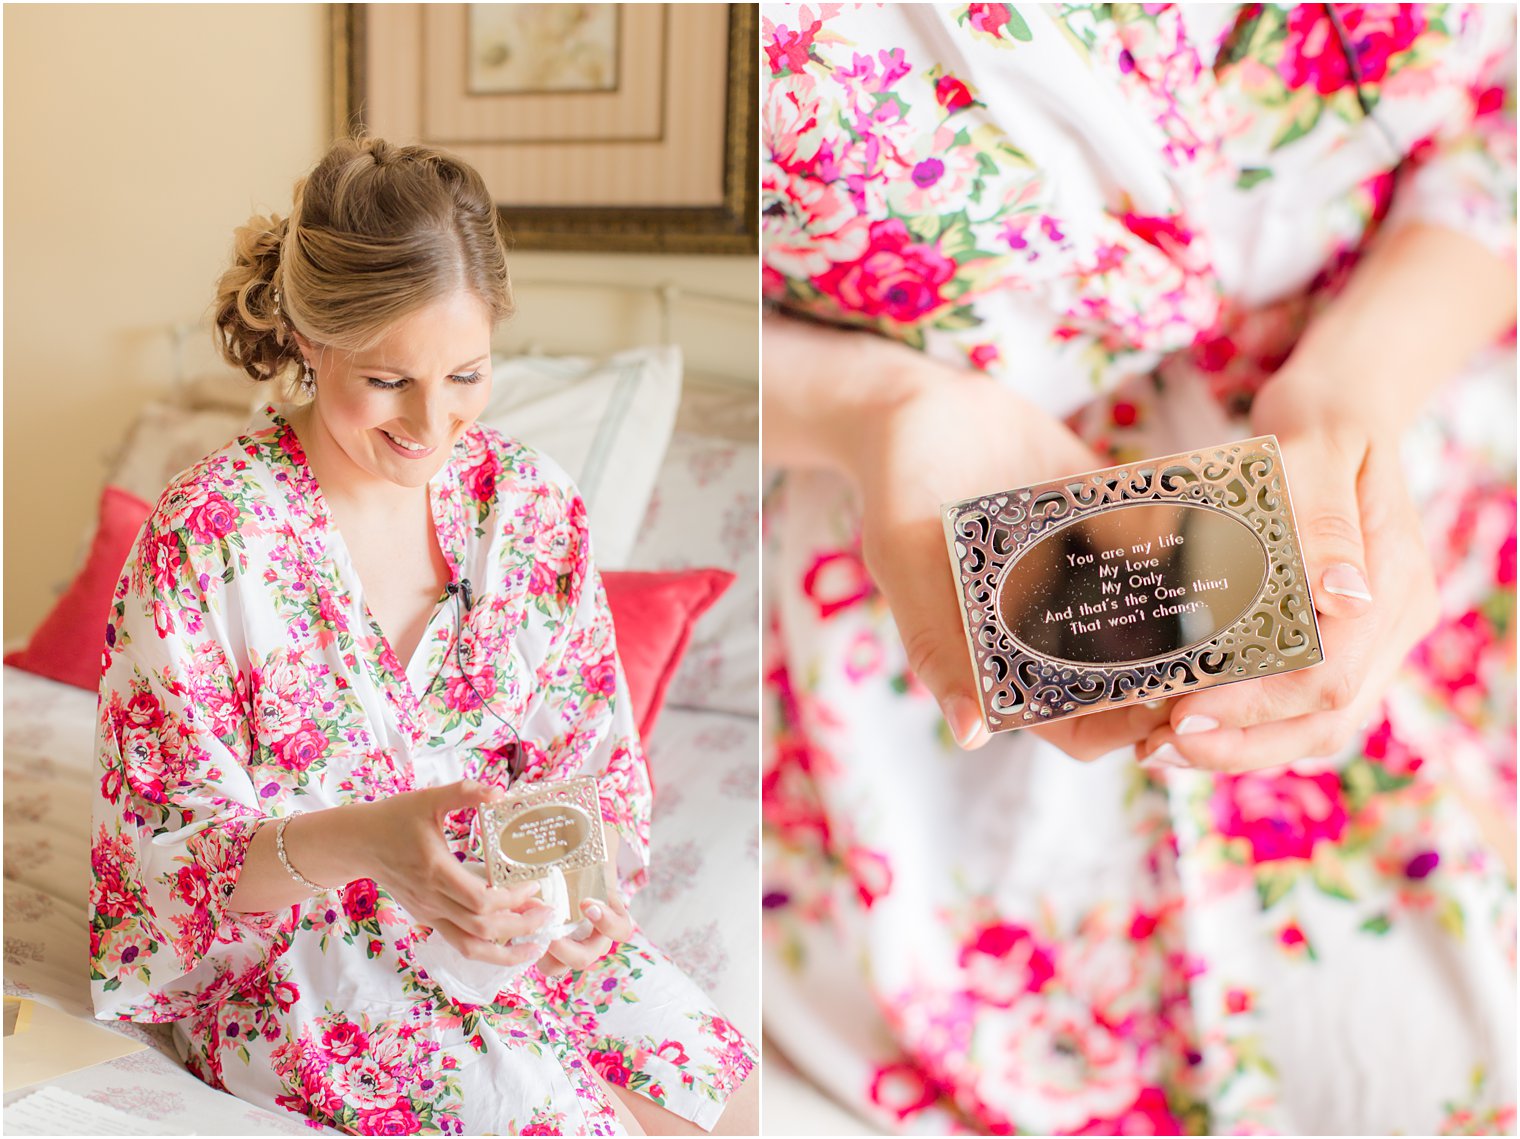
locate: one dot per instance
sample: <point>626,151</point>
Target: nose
<point>428,416</point>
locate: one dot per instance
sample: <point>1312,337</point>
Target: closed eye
<point>396,385</point>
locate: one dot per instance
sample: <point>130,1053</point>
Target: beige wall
<point>136,138</point>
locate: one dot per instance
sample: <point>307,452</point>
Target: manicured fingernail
<point>1164,756</point>
<point>964,719</point>
<point>593,911</point>
<point>1193,724</point>
<point>1154,704</point>
<point>1345,580</point>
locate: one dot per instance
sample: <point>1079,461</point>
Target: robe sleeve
<point>1464,177</point>
<point>580,720</point>
<point>176,807</point>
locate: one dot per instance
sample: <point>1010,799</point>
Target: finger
<point>514,896</point>
<point>1359,653</point>
<point>502,926</point>
<point>607,921</point>
<point>484,949</point>
<point>1347,648</point>
<point>1327,516</point>
<point>485,911</point>
<point>1329,686</point>
<point>474,893</point>
<point>468,890</point>
<point>580,954</point>
<point>1314,736</point>
<point>619,903</point>
<point>494,900</point>
<point>506,926</point>
<point>461,794</point>
<point>1321,735</point>
<point>1088,737</point>
<point>917,579</point>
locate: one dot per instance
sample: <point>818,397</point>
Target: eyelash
<point>390,386</point>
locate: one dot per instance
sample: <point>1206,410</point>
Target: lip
<point>402,451</point>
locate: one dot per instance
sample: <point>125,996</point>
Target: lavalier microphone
<point>461,587</point>
<point>464,596</point>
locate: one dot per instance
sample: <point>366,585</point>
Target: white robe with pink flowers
<point>245,679</point>
<point>1128,214</point>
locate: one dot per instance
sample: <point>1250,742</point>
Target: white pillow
<point>165,439</point>
<point>607,422</point>
<point>705,512</point>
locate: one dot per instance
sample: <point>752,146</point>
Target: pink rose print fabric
<point>244,678</point>
<point>1129,213</point>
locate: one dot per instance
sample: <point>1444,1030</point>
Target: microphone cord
<point>1354,71</point>
<point>464,599</point>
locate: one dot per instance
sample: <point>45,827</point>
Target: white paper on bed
<point>49,1043</point>
<point>53,1111</point>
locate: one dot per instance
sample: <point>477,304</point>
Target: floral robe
<point>1129,213</point>
<point>244,678</point>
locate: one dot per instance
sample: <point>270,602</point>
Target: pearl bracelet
<point>279,847</point>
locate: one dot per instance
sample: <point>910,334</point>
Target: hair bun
<point>248,325</point>
<point>375,232</point>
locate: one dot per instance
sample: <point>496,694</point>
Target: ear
<point>307,355</point>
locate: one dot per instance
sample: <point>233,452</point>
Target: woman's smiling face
<point>396,409</point>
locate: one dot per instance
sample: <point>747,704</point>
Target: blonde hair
<point>375,232</point>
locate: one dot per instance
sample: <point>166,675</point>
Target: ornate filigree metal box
<point>1132,583</point>
<point>548,831</point>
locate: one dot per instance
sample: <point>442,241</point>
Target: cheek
<point>357,410</point>
<point>476,397</point>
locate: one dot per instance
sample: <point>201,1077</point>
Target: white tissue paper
<point>463,979</point>
<point>479,982</point>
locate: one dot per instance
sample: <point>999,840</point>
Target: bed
<point>694,430</point>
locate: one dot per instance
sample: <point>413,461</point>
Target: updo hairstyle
<point>375,232</point>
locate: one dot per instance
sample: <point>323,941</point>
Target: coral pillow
<point>68,643</point>
<point>653,614</point>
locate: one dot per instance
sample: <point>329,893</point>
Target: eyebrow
<point>387,368</point>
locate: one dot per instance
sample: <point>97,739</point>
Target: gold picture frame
<point>720,217</point>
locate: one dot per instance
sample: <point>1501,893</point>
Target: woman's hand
<point>403,844</point>
<point>913,434</point>
<point>610,924</point>
<point>1373,589</point>
<point>1414,312</point>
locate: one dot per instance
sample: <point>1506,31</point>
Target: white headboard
<point>718,335</point>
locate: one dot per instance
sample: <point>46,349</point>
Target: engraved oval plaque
<point>545,834</point>
<point>1132,583</point>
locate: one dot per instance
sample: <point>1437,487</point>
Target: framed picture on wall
<point>609,127</point>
